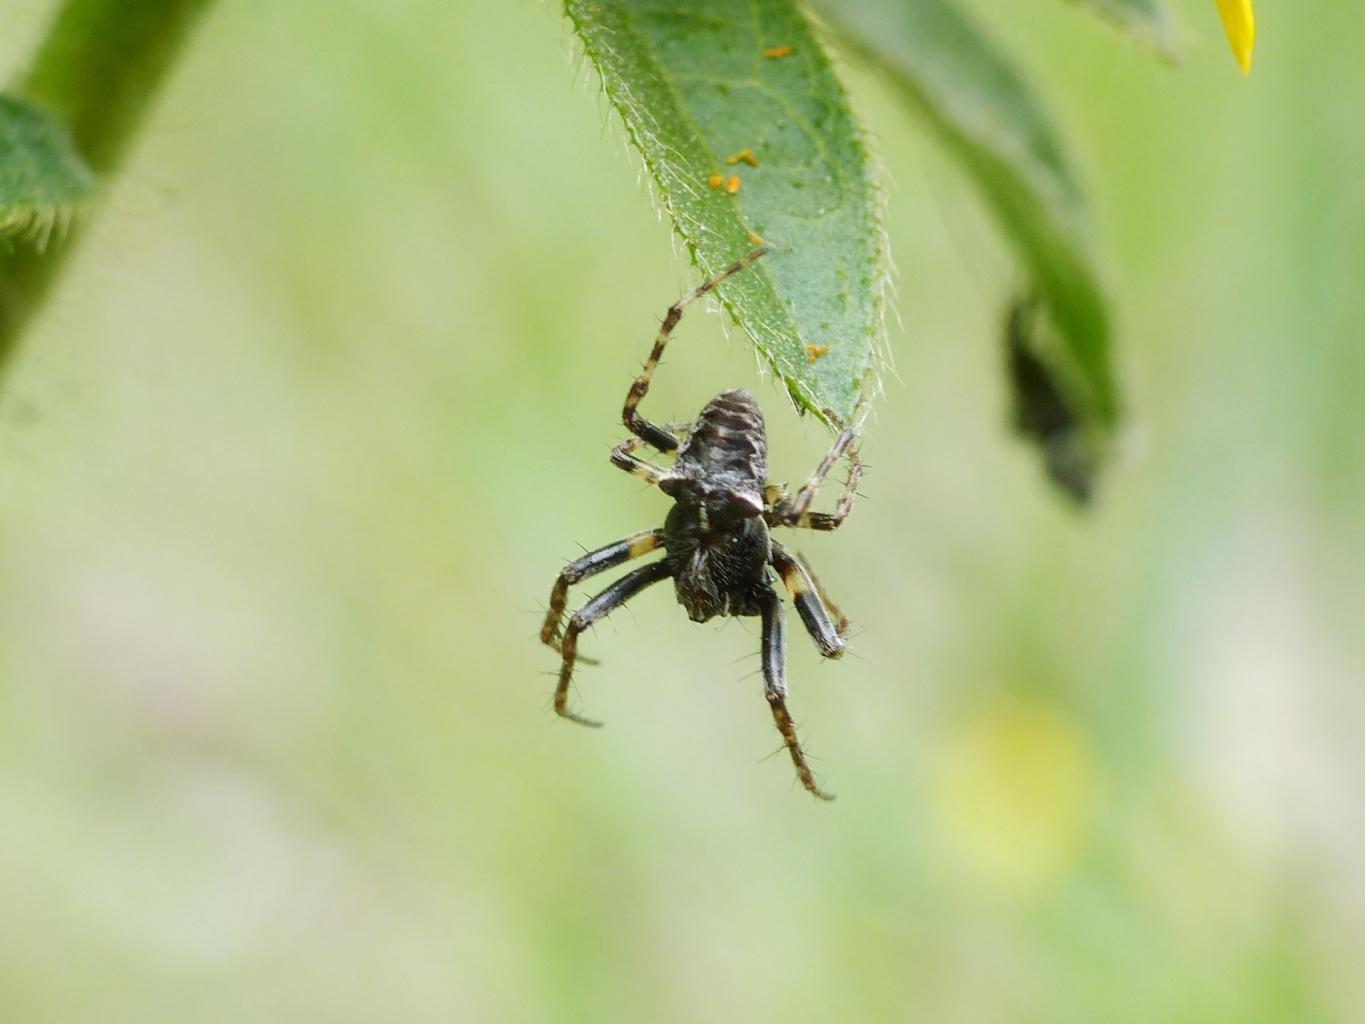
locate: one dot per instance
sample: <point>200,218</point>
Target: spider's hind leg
<point>623,455</point>
<point>796,511</point>
<point>775,676</point>
<point>652,433</point>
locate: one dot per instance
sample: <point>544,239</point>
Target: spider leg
<point>598,608</point>
<point>642,428</point>
<point>815,610</point>
<point>775,675</point>
<point>622,458</point>
<point>796,512</point>
<point>591,564</point>
<point>841,622</point>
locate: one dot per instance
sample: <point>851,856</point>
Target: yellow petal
<point>1240,23</point>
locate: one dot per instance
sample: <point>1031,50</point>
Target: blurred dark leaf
<point>988,116</point>
<point>1040,412</point>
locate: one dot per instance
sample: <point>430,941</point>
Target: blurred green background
<point>324,403</point>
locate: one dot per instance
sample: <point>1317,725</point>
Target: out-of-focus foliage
<point>983,109</point>
<point>325,402</point>
<point>1148,21</point>
<point>42,179</point>
<point>78,101</point>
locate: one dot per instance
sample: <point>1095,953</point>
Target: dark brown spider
<point>717,548</point>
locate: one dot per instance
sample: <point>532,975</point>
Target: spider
<point>716,541</point>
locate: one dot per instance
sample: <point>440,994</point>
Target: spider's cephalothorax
<point>716,542</point>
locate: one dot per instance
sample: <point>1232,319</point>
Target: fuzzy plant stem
<point>98,71</point>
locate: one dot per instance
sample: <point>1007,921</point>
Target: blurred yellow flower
<point>1012,788</point>
<point>1240,23</point>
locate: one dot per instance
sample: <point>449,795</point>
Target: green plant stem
<point>98,71</point>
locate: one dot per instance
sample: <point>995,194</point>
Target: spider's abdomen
<point>728,444</point>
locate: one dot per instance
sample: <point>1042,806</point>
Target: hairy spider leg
<point>775,675</point>
<point>622,457</point>
<point>810,603</point>
<point>598,608</point>
<point>591,564</point>
<point>796,513</point>
<point>642,428</point>
<point>841,622</point>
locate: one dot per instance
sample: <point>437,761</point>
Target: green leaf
<point>699,82</point>
<point>42,179</point>
<point>987,115</point>
<point>1147,21</point>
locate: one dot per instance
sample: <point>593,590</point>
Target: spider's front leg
<point>796,512</point>
<point>591,564</point>
<point>598,608</point>
<point>811,603</point>
<point>775,676</point>
<point>652,433</point>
